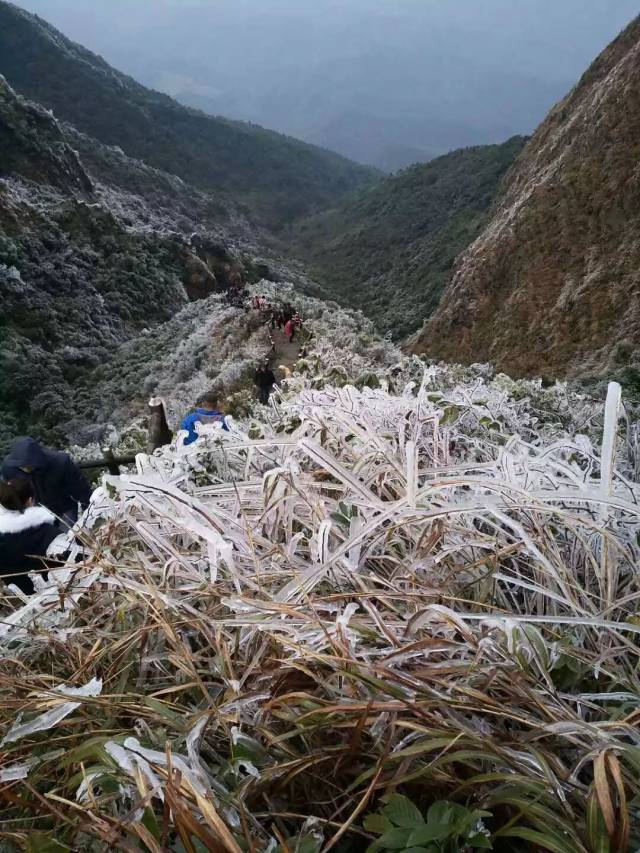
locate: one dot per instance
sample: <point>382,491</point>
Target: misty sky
<point>382,81</point>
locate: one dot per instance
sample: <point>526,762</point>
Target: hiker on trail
<point>287,313</point>
<point>56,481</point>
<point>290,330</point>
<point>265,380</point>
<point>235,280</point>
<point>256,302</point>
<point>26,531</point>
<point>206,413</point>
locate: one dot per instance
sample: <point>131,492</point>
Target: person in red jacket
<point>290,330</point>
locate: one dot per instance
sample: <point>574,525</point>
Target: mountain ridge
<point>390,249</point>
<point>95,249</point>
<point>551,284</point>
<point>276,177</point>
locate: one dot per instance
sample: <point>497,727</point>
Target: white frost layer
<point>51,718</point>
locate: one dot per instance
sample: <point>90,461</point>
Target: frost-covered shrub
<point>403,568</point>
<point>240,405</point>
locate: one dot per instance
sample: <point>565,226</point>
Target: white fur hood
<point>18,522</point>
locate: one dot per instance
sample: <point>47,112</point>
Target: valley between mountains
<point>120,207</point>
<point>396,607</point>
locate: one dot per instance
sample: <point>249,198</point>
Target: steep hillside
<point>32,145</point>
<point>552,284</point>
<point>390,249</point>
<point>208,344</point>
<point>89,259</point>
<point>276,177</point>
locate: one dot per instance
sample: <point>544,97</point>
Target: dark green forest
<point>390,249</point>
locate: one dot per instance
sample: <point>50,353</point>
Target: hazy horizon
<point>384,82</point>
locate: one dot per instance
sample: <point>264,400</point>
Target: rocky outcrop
<point>552,285</point>
<point>199,281</point>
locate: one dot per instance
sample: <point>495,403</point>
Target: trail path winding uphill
<point>286,353</point>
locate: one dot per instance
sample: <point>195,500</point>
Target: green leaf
<point>164,711</point>
<point>151,823</point>
<point>245,747</point>
<point>196,844</point>
<point>429,832</point>
<point>377,823</point>
<point>402,812</point>
<point>462,820</point>
<point>306,844</point>
<point>89,749</point>
<point>395,839</point>
<point>599,841</point>
<point>535,837</point>
<point>449,415</point>
<point>481,842</point>
<point>441,813</point>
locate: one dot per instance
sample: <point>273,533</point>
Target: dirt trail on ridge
<point>285,353</point>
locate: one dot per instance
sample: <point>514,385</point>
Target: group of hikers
<point>283,317</point>
<point>43,491</point>
<point>237,295</point>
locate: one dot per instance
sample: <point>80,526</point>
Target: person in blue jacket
<point>26,531</point>
<point>56,481</point>
<point>206,413</point>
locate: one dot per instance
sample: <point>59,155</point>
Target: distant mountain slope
<point>89,257</point>
<point>276,177</point>
<point>376,80</point>
<point>553,284</point>
<point>390,249</point>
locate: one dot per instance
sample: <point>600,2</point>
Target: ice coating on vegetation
<point>399,576</point>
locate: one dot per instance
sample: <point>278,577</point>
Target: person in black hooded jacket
<point>26,531</point>
<point>57,482</point>
<point>265,380</point>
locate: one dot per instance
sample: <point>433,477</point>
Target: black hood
<point>25,453</point>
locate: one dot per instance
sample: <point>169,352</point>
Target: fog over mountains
<point>386,82</point>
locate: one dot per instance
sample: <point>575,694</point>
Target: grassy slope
<point>276,176</point>
<point>390,249</point>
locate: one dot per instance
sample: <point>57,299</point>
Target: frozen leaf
<point>56,715</point>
